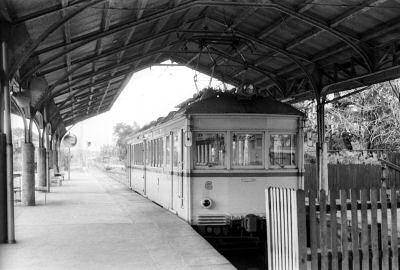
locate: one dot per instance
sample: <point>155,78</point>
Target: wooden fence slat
<point>384,230</point>
<point>323,231</point>
<point>284,229</point>
<point>364,230</point>
<point>343,219</point>
<point>276,247</point>
<point>302,228</point>
<point>273,240</point>
<point>313,231</point>
<point>279,210</point>
<point>354,229</point>
<point>290,224</point>
<point>374,229</point>
<point>333,222</point>
<point>268,220</point>
<point>394,241</point>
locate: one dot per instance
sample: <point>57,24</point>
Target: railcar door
<point>176,169</point>
<point>146,159</point>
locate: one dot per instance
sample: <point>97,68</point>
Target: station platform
<point>94,222</point>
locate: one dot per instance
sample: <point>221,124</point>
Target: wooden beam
<point>30,48</point>
<point>105,53</point>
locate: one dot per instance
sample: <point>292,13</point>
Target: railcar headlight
<point>207,203</point>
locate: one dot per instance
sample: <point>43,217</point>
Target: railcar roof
<point>227,103</point>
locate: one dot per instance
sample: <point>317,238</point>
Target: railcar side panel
<point>234,196</point>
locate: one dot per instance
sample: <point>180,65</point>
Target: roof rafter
<point>86,60</point>
<point>30,48</point>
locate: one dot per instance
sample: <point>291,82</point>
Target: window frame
<point>168,152</point>
<point>194,150</point>
<point>239,167</point>
<point>175,166</point>
<point>296,150</point>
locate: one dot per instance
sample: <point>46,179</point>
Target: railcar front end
<point>235,157</point>
<point>211,161</point>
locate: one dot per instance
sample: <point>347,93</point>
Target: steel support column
<point>51,152</point>
<point>9,145</point>
<point>3,157</point>
<point>322,148</point>
<point>47,161</point>
<point>3,187</point>
<point>28,174</point>
<point>55,156</point>
<point>41,167</point>
<point>47,147</point>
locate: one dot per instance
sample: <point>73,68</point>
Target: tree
<point>367,120</point>
<point>120,133</point>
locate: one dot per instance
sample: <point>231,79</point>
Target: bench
<point>57,178</point>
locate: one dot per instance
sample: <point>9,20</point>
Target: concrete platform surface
<point>94,222</point>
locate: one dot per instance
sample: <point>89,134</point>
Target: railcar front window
<point>247,149</point>
<point>282,150</point>
<point>210,149</point>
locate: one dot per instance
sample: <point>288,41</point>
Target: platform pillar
<point>28,174</point>
<point>55,159</point>
<point>9,146</point>
<point>3,189</point>
<point>41,166</point>
<point>321,147</point>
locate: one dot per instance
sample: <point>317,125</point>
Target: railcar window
<point>153,152</point>
<point>160,152</point>
<point>175,150</point>
<point>210,149</point>
<point>138,154</point>
<point>247,149</point>
<point>156,153</point>
<point>147,153</point>
<point>282,150</point>
<point>168,150</point>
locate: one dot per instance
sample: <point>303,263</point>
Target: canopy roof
<point>293,50</point>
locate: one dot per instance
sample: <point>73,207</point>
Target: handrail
<point>390,165</point>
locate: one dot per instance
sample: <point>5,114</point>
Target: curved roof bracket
<point>28,52</point>
<point>105,53</point>
<point>307,19</point>
<point>273,77</point>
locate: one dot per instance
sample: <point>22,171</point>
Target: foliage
<point>371,117</point>
<point>121,133</point>
<point>367,120</point>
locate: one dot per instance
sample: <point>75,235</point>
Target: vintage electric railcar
<point>211,161</point>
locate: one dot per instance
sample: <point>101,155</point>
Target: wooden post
<point>384,230</point>
<point>374,229</point>
<point>313,230</point>
<point>301,229</point>
<point>334,242</point>
<point>343,219</point>
<point>364,230</point>
<point>354,230</point>
<point>394,241</point>
<point>323,231</point>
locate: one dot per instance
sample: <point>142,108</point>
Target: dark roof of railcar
<point>225,103</point>
<point>228,103</point>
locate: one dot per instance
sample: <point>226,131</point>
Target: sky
<point>150,93</point>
